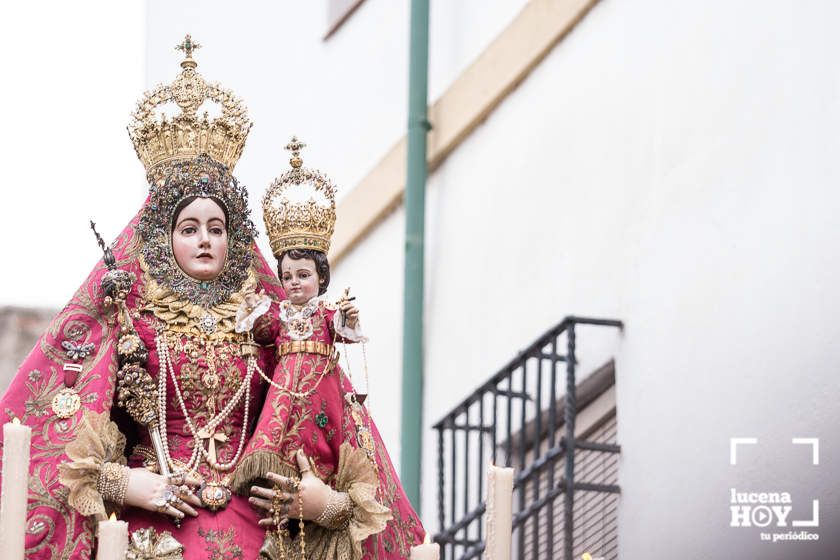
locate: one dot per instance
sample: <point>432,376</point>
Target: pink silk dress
<point>318,419</point>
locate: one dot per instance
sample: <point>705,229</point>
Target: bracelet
<point>113,482</point>
<point>338,512</point>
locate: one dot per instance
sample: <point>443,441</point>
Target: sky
<point>73,72</point>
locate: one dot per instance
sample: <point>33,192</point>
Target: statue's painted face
<point>199,239</point>
<point>299,279</point>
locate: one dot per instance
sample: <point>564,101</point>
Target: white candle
<point>16,438</point>
<point>426,551</point>
<point>498,519</point>
<point>113,539</point>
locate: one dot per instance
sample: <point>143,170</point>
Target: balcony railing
<point>516,419</point>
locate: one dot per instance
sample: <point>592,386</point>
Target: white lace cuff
<point>355,334</point>
<point>247,315</point>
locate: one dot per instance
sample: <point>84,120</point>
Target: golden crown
<point>158,139</point>
<point>299,207</point>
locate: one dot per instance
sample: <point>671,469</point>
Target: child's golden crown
<point>158,139</point>
<point>299,207</point>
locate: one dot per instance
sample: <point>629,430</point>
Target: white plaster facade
<point>671,165</point>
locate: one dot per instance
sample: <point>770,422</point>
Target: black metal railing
<point>516,418</point>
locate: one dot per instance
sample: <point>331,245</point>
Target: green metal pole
<point>415,214</point>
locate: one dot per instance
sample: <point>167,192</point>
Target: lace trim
<point>357,477</point>
<point>355,334</point>
<point>98,441</point>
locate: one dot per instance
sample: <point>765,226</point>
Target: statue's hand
<point>153,492</point>
<point>254,299</point>
<point>351,313</point>
<point>288,494</point>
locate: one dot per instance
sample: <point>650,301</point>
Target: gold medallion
<point>207,323</point>
<point>214,496</point>
<point>210,380</point>
<point>365,440</point>
<point>66,403</point>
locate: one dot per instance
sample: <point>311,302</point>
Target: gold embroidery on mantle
<point>221,544</point>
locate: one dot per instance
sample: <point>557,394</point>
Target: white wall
<point>676,171</point>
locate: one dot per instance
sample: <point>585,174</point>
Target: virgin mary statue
<point>141,395</point>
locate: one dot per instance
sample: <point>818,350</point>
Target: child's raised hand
<point>351,313</point>
<point>252,307</point>
<point>253,299</point>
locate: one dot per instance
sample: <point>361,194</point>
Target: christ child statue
<point>311,406</point>
<point>316,464</point>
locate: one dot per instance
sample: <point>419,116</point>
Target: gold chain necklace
<point>333,359</point>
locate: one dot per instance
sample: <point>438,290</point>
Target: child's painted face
<point>300,279</point>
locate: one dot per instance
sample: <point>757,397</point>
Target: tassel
<point>255,466</point>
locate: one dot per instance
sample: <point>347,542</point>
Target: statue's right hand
<point>252,300</point>
<point>153,492</point>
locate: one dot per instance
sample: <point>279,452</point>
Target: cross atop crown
<point>295,146</point>
<point>187,46</point>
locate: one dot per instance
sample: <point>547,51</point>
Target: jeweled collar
<point>180,315</point>
<point>207,178</point>
<point>290,312</point>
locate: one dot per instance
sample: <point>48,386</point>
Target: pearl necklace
<point>166,367</point>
